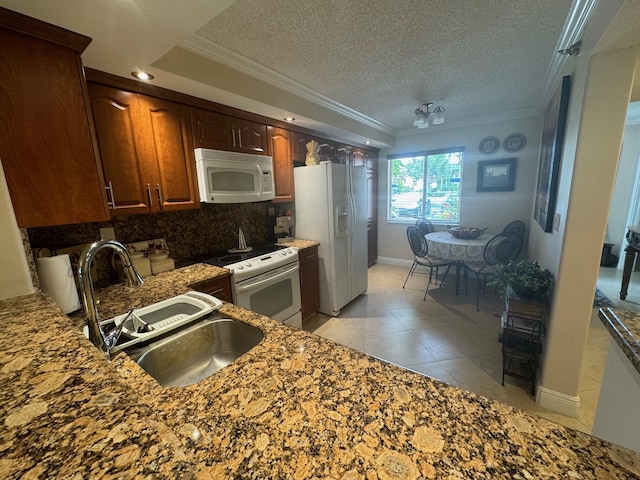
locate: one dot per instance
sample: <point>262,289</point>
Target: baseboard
<point>558,402</point>
<point>398,262</point>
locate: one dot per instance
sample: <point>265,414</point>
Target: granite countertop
<point>624,326</point>
<point>296,406</point>
<point>300,244</point>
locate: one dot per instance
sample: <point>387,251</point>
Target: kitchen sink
<point>196,352</point>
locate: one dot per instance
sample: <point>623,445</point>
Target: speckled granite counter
<point>301,244</point>
<point>296,406</point>
<point>624,326</point>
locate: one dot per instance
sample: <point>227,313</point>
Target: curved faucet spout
<point>96,335</point>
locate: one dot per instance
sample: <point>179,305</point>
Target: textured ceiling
<point>385,58</point>
<point>355,68</point>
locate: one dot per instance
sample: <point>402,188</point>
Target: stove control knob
<point>247,264</point>
<point>240,267</point>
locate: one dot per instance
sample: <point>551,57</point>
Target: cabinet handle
<point>159,190</point>
<point>216,291</point>
<point>149,194</point>
<point>111,201</point>
<point>233,134</point>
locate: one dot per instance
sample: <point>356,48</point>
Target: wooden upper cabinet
<point>46,146</point>
<point>280,149</point>
<point>115,116</point>
<point>343,153</point>
<point>358,157</point>
<point>146,149</point>
<point>224,132</point>
<point>371,162</point>
<point>168,149</point>
<point>300,140</point>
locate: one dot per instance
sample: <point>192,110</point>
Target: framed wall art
<point>553,129</point>
<point>497,175</point>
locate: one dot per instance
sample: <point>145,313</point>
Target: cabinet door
<point>358,157</point>
<point>343,153</point>
<point>212,130</point>
<point>165,136</point>
<point>309,281</point>
<point>116,117</point>
<point>218,287</point>
<point>46,148</point>
<point>250,137</point>
<point>223,132</point>
<point>280,141</point>
<point>327,148</point>
<point>371,162</point>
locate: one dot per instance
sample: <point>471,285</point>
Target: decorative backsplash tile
<point>190,234</point>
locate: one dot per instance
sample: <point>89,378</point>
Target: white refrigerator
<point>330,207</point>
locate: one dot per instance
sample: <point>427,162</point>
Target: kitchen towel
<point>56,280</point>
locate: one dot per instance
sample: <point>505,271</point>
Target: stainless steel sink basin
<point>197,351</point>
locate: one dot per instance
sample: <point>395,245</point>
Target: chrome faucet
<point>104,341</point>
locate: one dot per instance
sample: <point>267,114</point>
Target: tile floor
<point>446,338</point>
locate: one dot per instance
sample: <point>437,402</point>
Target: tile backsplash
<point>190,234</point>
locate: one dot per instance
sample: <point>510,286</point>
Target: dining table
<point>459,250</point>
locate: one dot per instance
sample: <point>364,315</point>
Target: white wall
<point>492,209</point>
<point>623,191</point>
<point>15,279</point>
<point>594,139</point>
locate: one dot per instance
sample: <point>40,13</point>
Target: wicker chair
<point>421,258</point>
<point>501,249</point>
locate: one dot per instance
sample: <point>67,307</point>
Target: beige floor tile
<point>434,370</point>
<point>357,343</point>
<point>588,406</point>
<point>377,325</point>
<point>563,420</point>
<point>400,348</point>
<point>446,338</point>
<point>588,381</point>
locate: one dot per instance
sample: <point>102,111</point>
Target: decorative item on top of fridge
<point>313,153</point>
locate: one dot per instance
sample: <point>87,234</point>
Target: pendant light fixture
<point>423,113</point>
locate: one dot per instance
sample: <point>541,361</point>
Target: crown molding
<point>572,31</point>
<point>201,46</point>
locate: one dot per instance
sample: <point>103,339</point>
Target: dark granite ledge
<point>624,327</point>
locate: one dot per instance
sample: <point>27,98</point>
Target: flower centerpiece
<point>525,277</point>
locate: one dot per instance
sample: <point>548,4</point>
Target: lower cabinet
<point>219,287</point>
<point>309,281</point>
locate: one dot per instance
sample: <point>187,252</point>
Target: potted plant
<point>525,277</point>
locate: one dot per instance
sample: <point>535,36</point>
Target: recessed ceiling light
<point>142,75</point>
<point>289,119</point>
<point>367,142</point>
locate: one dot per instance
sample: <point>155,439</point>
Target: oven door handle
<point>250,286</point>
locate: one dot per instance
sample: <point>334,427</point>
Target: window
<point>425,184</point>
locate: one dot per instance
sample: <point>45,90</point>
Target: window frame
<point>424,153</point>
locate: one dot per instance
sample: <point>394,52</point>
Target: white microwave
<point>231,177</point>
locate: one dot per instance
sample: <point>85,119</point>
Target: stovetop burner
<point>224,259</point>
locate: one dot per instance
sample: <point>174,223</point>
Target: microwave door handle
<point>260,176</point>
<point>244,288</point>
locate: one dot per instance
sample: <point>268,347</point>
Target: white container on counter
<point>56,280</point>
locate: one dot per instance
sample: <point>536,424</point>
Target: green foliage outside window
<point>425,184</point>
